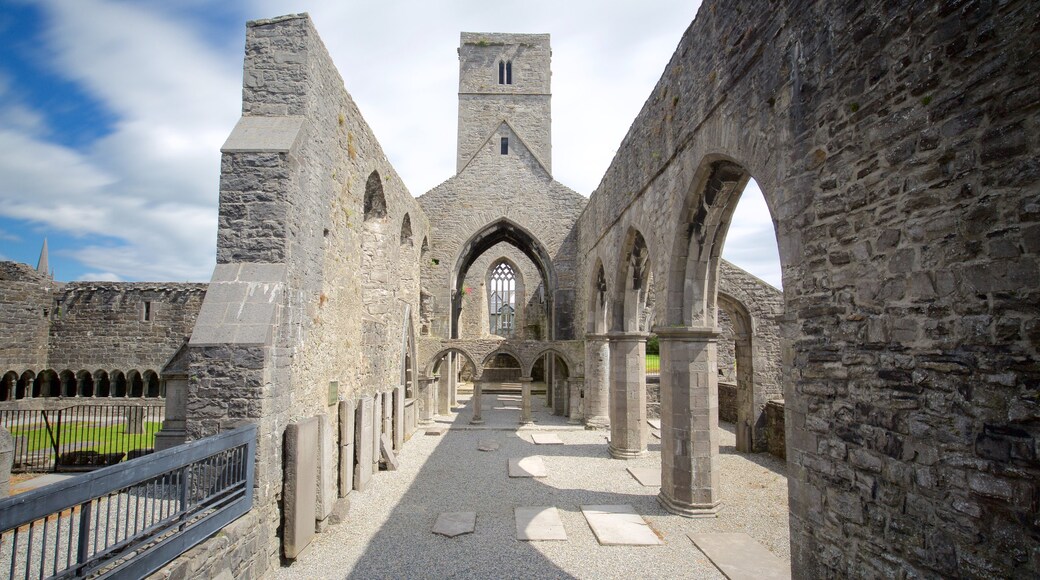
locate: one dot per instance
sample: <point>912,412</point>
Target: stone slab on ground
<point>619,525</point>
<point>546,439</point>
<point>740,557</point>
<point>488,445</point>
<point>504,408</point>
<point>655,423</point>
<point>386,449</point>
<point>436,431</point>
<point>453,524</point>
<point>300,493</point>
<point>646,476</point>
<point>527,467</point>
<point>539,523</point>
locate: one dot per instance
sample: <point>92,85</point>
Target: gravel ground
<point>387,532</point>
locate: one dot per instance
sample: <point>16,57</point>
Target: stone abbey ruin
<point>897,148</point>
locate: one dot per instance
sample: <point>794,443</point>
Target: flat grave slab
<point>505,408</point>
<point>740,557</point>
<point>527,467</point>
<point>488,445</point>
<point>539,523</point>
<point>619,525</point>
<point>546,439</point>
<point>646,476</point>
<point>453,524</point>
<point>436,431</point>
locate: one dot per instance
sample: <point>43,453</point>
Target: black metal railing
<point>81,437</point>
<point>129,520</point>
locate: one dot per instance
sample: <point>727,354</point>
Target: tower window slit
<point>505,145</point>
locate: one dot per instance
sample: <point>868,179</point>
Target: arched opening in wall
<point>748,405</point>
<point>425,247</point>
<point>135,384</point>
<point>102,386</point>
<point>502,371</point>
<point>118,384</point>
<point>8,386</point>
<point>151,382</point>
<point>550,374</point>
<point>84,384</point>
<point>500,231</point>
<point>504,296</point>
<point>27,385</point>
<point>690,342</point>
<point>406,230</point>
<point>375,201</point>
<point>46,384</point>
<point>68,383</point>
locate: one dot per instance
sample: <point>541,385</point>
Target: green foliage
<point>652,345</point>
<point>854,107</point>
<point>101,437</point>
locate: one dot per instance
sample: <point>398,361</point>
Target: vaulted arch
<point>502,230</point>
<point>375,201</point>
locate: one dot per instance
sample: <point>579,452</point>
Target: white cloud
<point>100,277</point>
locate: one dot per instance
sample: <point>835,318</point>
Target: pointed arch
<point>506,297</point>
<point>375,201</point>
<point>596,300</point>
<point>502,230</point>
<point>406,230</point>
<point>631,283</point>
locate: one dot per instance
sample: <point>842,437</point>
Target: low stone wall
<point>775,428</point>
<point>728,402</point>
<point>239,550</point>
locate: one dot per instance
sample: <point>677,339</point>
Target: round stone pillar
<point>478,396</point>
<point>689,421</point>
<point>575,385</point>
<point>628,428</point>
<point>597,381</point>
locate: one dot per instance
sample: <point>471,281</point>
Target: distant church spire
<point>43,267</point>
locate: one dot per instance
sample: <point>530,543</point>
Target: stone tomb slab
<point>527,467</point>
<point>619,525</point>
<point>646,476</point>
<point>655,423</point>
<point>488,445</point>
<point>453,524</point>
<point>546,439</point>
<point>436,431</point>
<point>740,557</point>
<point>300,493</point>
<point>539,523</point>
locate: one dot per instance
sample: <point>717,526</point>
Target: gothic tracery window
<point>502,300</point>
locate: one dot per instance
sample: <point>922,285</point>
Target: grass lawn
<point>653,363</point>
<point>106,438</point>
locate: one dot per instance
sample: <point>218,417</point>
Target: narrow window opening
<point>509,73</point>
<point>502,303</point>
<point>505,145</point>
<point>501,72</point>
<point>147,315</point>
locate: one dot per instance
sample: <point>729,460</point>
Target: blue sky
<point>112,113</point>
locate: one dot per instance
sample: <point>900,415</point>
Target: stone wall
<point>727,402</point>
<point>312,300</point>
<point>895,145</point>
<point>25,304</point>
<point>775,428</point>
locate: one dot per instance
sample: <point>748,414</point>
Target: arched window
<point>505,72</point>
<point>509,72</point>
<point>375,202</point>
<point>502,300</point>
<point>406,230</point>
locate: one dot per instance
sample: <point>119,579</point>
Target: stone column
<point>444,390</point>
<point>429,400</point>
<point>478,392</point>
<point>628,428</point>
<point>575,386</point>
<point>689,421</point>
<point>453,380</point>
<point>550,379</point>
<point>597,381</point>
<point>525,400</point>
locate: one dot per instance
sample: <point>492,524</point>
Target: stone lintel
<point>688,333</point>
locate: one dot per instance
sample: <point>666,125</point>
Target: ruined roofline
<point>277,19</point>
<point>504,38</point>
<point>92,286</point>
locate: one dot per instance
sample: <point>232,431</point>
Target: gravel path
<point>387,533</point>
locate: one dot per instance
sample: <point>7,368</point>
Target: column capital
<point>526,379</point>
<point>688,333</point>
<point>628,336</point>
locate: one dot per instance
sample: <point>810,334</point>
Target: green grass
<point>106,438</point>
<point>653,363</point>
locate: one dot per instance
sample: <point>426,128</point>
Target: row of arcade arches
<point>86,384</point>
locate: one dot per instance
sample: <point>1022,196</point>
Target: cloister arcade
<point>82,384</point>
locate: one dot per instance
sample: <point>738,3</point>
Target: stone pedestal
<point>597,381</point>
<point>689,421</point>
<point>628,429</point>
<point>478,392</point>
<point>575,385</point>
<point>525,400</point>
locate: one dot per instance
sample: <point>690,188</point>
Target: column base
<point>616,453</point>
<point>574,421</point>
<point>476,422</point>
<point>689,510</point>
<point>597,423</point>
